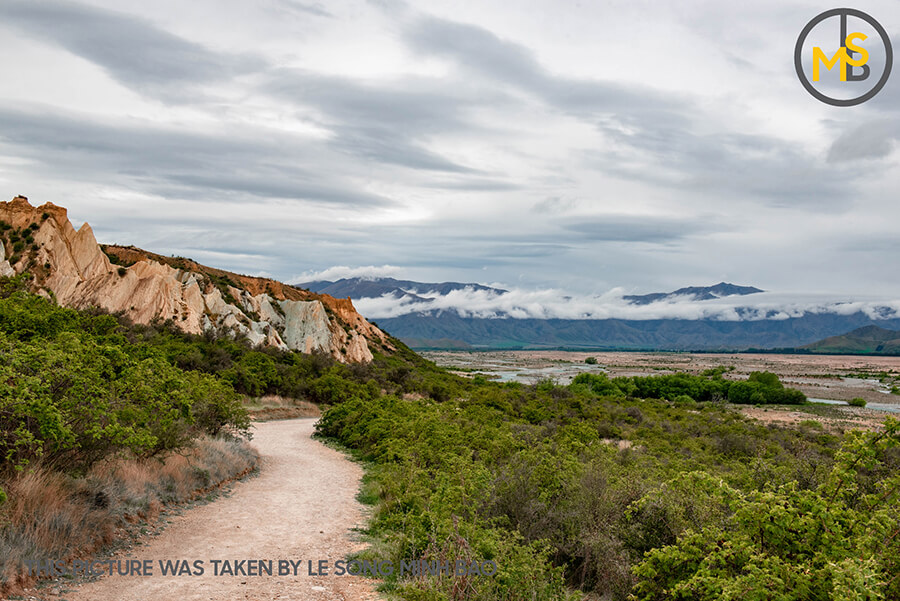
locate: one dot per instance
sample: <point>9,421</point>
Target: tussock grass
<point>274,406</point>
<point>49,515</point>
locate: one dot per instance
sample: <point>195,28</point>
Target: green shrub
<point>73,390</point>
<point>591,360</point>
<point>766,379</point>
<point>837,541</point>
<point>551,468</point>
<point>857,402</point>
<point>763,388</point>
<point>598,384</point>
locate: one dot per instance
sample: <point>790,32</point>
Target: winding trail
<point>302,506</point>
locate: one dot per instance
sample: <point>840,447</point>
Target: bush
<point>684,400</point>
<point>73,390</point>
<point>549,470</point>
<point>837,541</point>
<point>857,402</point>
<point>766,379</point>
<point>598,384</point>
<point>591,360</point>
<point>763,388</point>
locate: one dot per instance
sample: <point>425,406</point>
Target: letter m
<point>820,56</point>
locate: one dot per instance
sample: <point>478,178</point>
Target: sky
<point>631,146</point>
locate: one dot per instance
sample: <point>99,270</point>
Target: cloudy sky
<point>583,146</point>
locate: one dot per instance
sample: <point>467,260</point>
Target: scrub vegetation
<point>646,488</point>
<point>633,487</point>
<point>99,430</point>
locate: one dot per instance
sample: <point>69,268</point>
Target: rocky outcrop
<point>6,269</point>
<point>147,287</point>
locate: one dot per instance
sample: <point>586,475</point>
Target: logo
<point>846,40</point>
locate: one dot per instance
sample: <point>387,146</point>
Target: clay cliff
<point>70,266</point>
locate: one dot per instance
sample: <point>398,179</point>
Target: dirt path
<point>301,507</point>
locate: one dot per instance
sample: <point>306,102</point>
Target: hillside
<point>866,340</point>
<point>439,331</point>
<point>438,316</point>
<point>146,287</point>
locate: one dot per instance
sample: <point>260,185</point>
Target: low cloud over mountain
<point>379,298</point>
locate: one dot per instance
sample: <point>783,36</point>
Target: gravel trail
<point>302,506</point>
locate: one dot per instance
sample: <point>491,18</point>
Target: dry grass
<point>50,515</point>
<point>271,407</point>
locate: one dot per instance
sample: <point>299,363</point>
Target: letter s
<point>853,48</point>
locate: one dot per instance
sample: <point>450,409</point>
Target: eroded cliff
<point>145,287</point>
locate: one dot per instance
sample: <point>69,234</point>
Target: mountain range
<point>416,312</point>
<point>145,287</point>
<point>73,268</point>
<point>402,290</point>
<point>695,293</point>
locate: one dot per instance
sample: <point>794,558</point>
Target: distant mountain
<point>447,330</point>
<point>407,290</point>
<point>697,293</point>
<point>867,340</point>
<point>428,324</point>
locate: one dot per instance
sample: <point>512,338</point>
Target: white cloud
<point>468,140</point>
<point>555,304</point>
<point>337,272</point>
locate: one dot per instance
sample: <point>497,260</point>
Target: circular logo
<point>843,57</point>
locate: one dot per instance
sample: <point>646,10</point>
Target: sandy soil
<point>836,423</point>
<point>302,506</point>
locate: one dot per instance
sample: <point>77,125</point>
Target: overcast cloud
<point>556,304</point>
<point>597,148</point>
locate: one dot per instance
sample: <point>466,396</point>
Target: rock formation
<point>146,287</point>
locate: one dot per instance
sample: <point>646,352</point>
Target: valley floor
<point>829,377</point>
<point>837,377</point>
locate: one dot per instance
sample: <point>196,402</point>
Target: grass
<point>271,407</point>
<point>50,515</point>
<point>369,490</point>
